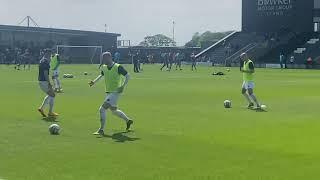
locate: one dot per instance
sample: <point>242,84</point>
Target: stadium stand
<point>311,48</point>
<point>269,30</point>
<point>14,40</point>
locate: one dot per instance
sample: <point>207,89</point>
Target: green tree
<point>206,39</point>
<point>195,42</point>
<point>158,40</point>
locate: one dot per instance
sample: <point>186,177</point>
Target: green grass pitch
<point>181,130</point>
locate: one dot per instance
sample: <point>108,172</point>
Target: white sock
<point>55,83</point>
<point>51,104</point>
<point>103,117</point>
<point>45,102</point>
<point>121,115</point>
<point>247,97</point>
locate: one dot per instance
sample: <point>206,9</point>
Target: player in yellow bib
<point>113,74</point>
<point>247,69</point>
<point>54,66</point>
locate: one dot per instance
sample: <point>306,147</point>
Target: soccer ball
<point>264,107</point>
<point>68,76</point>
<point>228,70</point>
<point>54,129</point>
<point>85,73</point>
<point>227,104</point>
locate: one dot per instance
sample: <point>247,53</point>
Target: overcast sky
<point>134,19</point>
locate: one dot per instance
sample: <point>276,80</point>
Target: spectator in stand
<point>292,60</point>
<point>309,63</point>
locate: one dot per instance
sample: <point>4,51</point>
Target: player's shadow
<point>50,119</point>
<point>121,137</point>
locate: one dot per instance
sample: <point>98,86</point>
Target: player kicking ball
<point>112,73</point>
<point>45,85</point>
<point>248,71</point>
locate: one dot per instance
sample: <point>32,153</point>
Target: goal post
<point>80,54</point>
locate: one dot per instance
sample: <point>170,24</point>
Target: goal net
<point>79,54</point>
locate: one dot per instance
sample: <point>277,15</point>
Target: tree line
<point>202,40</point>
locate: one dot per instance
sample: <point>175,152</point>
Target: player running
<point>45,85</point>
<point>112,73</point>
<point>55,64</point>
<point>248,83</point>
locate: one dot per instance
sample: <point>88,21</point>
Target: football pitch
<point>181,131</point>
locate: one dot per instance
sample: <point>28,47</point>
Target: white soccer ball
<point>227,104</point>
<point>54,129</point>
<point>264,107</point>
<point>228,70</point>
<point>70,76</point>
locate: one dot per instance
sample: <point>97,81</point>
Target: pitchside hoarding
<point>276,15</point>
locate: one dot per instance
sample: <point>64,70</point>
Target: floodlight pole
<point>29,20</point>
<point>173,27</point>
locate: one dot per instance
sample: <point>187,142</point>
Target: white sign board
<point>274,66</point>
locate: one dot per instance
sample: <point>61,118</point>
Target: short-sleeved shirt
<point>121,70</point>
<point>43,66</point>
